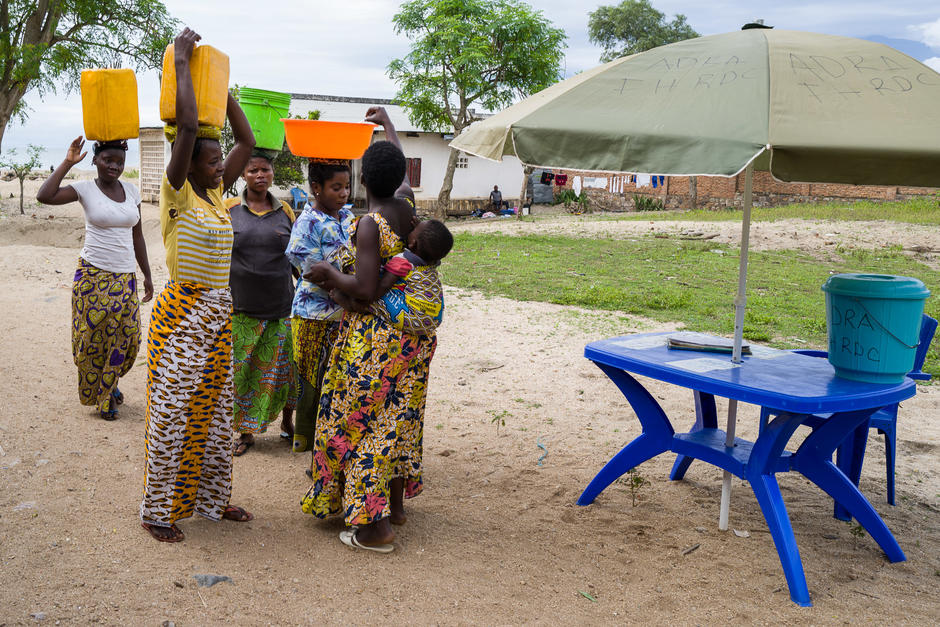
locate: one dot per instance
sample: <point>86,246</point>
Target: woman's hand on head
<point>377,115</point>
<point>75,154</point>
<point>184,43</point>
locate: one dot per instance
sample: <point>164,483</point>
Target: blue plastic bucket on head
<point>874,325</point>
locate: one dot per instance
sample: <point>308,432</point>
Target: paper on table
<point>640,342</point>
<point>703,364</point>
<point>692,340</point>
<point>765,352</point>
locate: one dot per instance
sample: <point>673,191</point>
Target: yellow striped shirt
<point>197,235</point>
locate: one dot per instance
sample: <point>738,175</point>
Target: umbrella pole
<point>739,303</point>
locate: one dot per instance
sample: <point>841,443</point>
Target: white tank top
<point>109,240</point>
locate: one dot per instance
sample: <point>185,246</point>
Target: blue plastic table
<point>794,385</point>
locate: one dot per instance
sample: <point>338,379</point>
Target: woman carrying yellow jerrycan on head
<point>105,308</point>
<point>189,380</point>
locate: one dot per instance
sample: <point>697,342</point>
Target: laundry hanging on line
<point>561,179</point>
<point>547,178</point>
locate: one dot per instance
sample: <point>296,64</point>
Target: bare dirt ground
<point>495,539</point>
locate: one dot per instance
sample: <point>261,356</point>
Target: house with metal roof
<point>427,154</point>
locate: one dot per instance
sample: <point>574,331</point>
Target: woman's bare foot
<point>375,533</point>
<point>397,505</point>
<point>236,513</point>
<point>245,442</point>
<point>164,534</point>
<point>287,425</point>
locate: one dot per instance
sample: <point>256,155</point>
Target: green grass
<point>691,282</point>
<point>924,210</point>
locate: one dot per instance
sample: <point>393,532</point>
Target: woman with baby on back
<point>366,454</point>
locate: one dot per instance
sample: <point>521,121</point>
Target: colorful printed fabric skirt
<point>407,454</point>
<point>356,437</point>
<point>313,341</point>
<point>189,405</point>
<point>262,354</point>
<point>105,331</point>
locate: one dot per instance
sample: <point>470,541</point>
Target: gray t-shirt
<point>261,280</point>
<point>109,238</point>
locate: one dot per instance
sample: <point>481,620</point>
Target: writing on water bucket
<point>873,322</point>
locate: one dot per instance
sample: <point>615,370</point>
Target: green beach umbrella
<point>807,107</point>
<point>825,108</point>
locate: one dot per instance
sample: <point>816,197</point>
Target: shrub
<point>648,203</point>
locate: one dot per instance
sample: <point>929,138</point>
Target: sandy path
<point>495,539</point>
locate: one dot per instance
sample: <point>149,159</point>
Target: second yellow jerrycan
<point>109,104</point>
<point>209,68</point>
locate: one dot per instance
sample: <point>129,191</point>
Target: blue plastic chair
<point>298,198</point>
<point>885,420</point>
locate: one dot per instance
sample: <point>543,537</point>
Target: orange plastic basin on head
<point>327,140</point>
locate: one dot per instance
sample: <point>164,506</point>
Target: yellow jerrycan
<point>209,68</point>
<point>109,104</point>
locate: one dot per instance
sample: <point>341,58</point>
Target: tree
<point>634,26</point>
<point>22,168</point>
<point>470,52</point>
<point>44,44</point>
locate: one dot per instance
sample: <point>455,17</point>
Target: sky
<point>343,48</point>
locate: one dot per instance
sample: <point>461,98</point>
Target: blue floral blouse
<point>315,237</point>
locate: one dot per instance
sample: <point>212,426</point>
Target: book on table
<point>690,340</point>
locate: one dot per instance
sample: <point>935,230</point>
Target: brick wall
<point>717,192</point>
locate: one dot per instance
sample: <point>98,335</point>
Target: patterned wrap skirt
<point>189,405</point>
<point>365,393</point>
<point>105,331</point>
<point>262,354</point>
<point>313,341</point>
<point>407,454</point>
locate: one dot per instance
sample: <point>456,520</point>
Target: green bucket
<point>264,110</point>
<point>874,325</point>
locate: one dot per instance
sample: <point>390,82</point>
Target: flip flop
<point>109,415</point>
<point>236,513</point>
<point>242,447</point>
<point>150,528</point>
<point>348,537</point>
<point>117,396</point>
<point>287,436</point>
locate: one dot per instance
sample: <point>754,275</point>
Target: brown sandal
<point>156,532</point>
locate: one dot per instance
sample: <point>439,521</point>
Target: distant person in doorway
<point>496,200</point>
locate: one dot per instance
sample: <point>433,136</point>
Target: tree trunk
<point>526,173</point>
<point>443,198</point>
<point>8,101</point>
<point>22,181</point>
<point>693,191</point>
